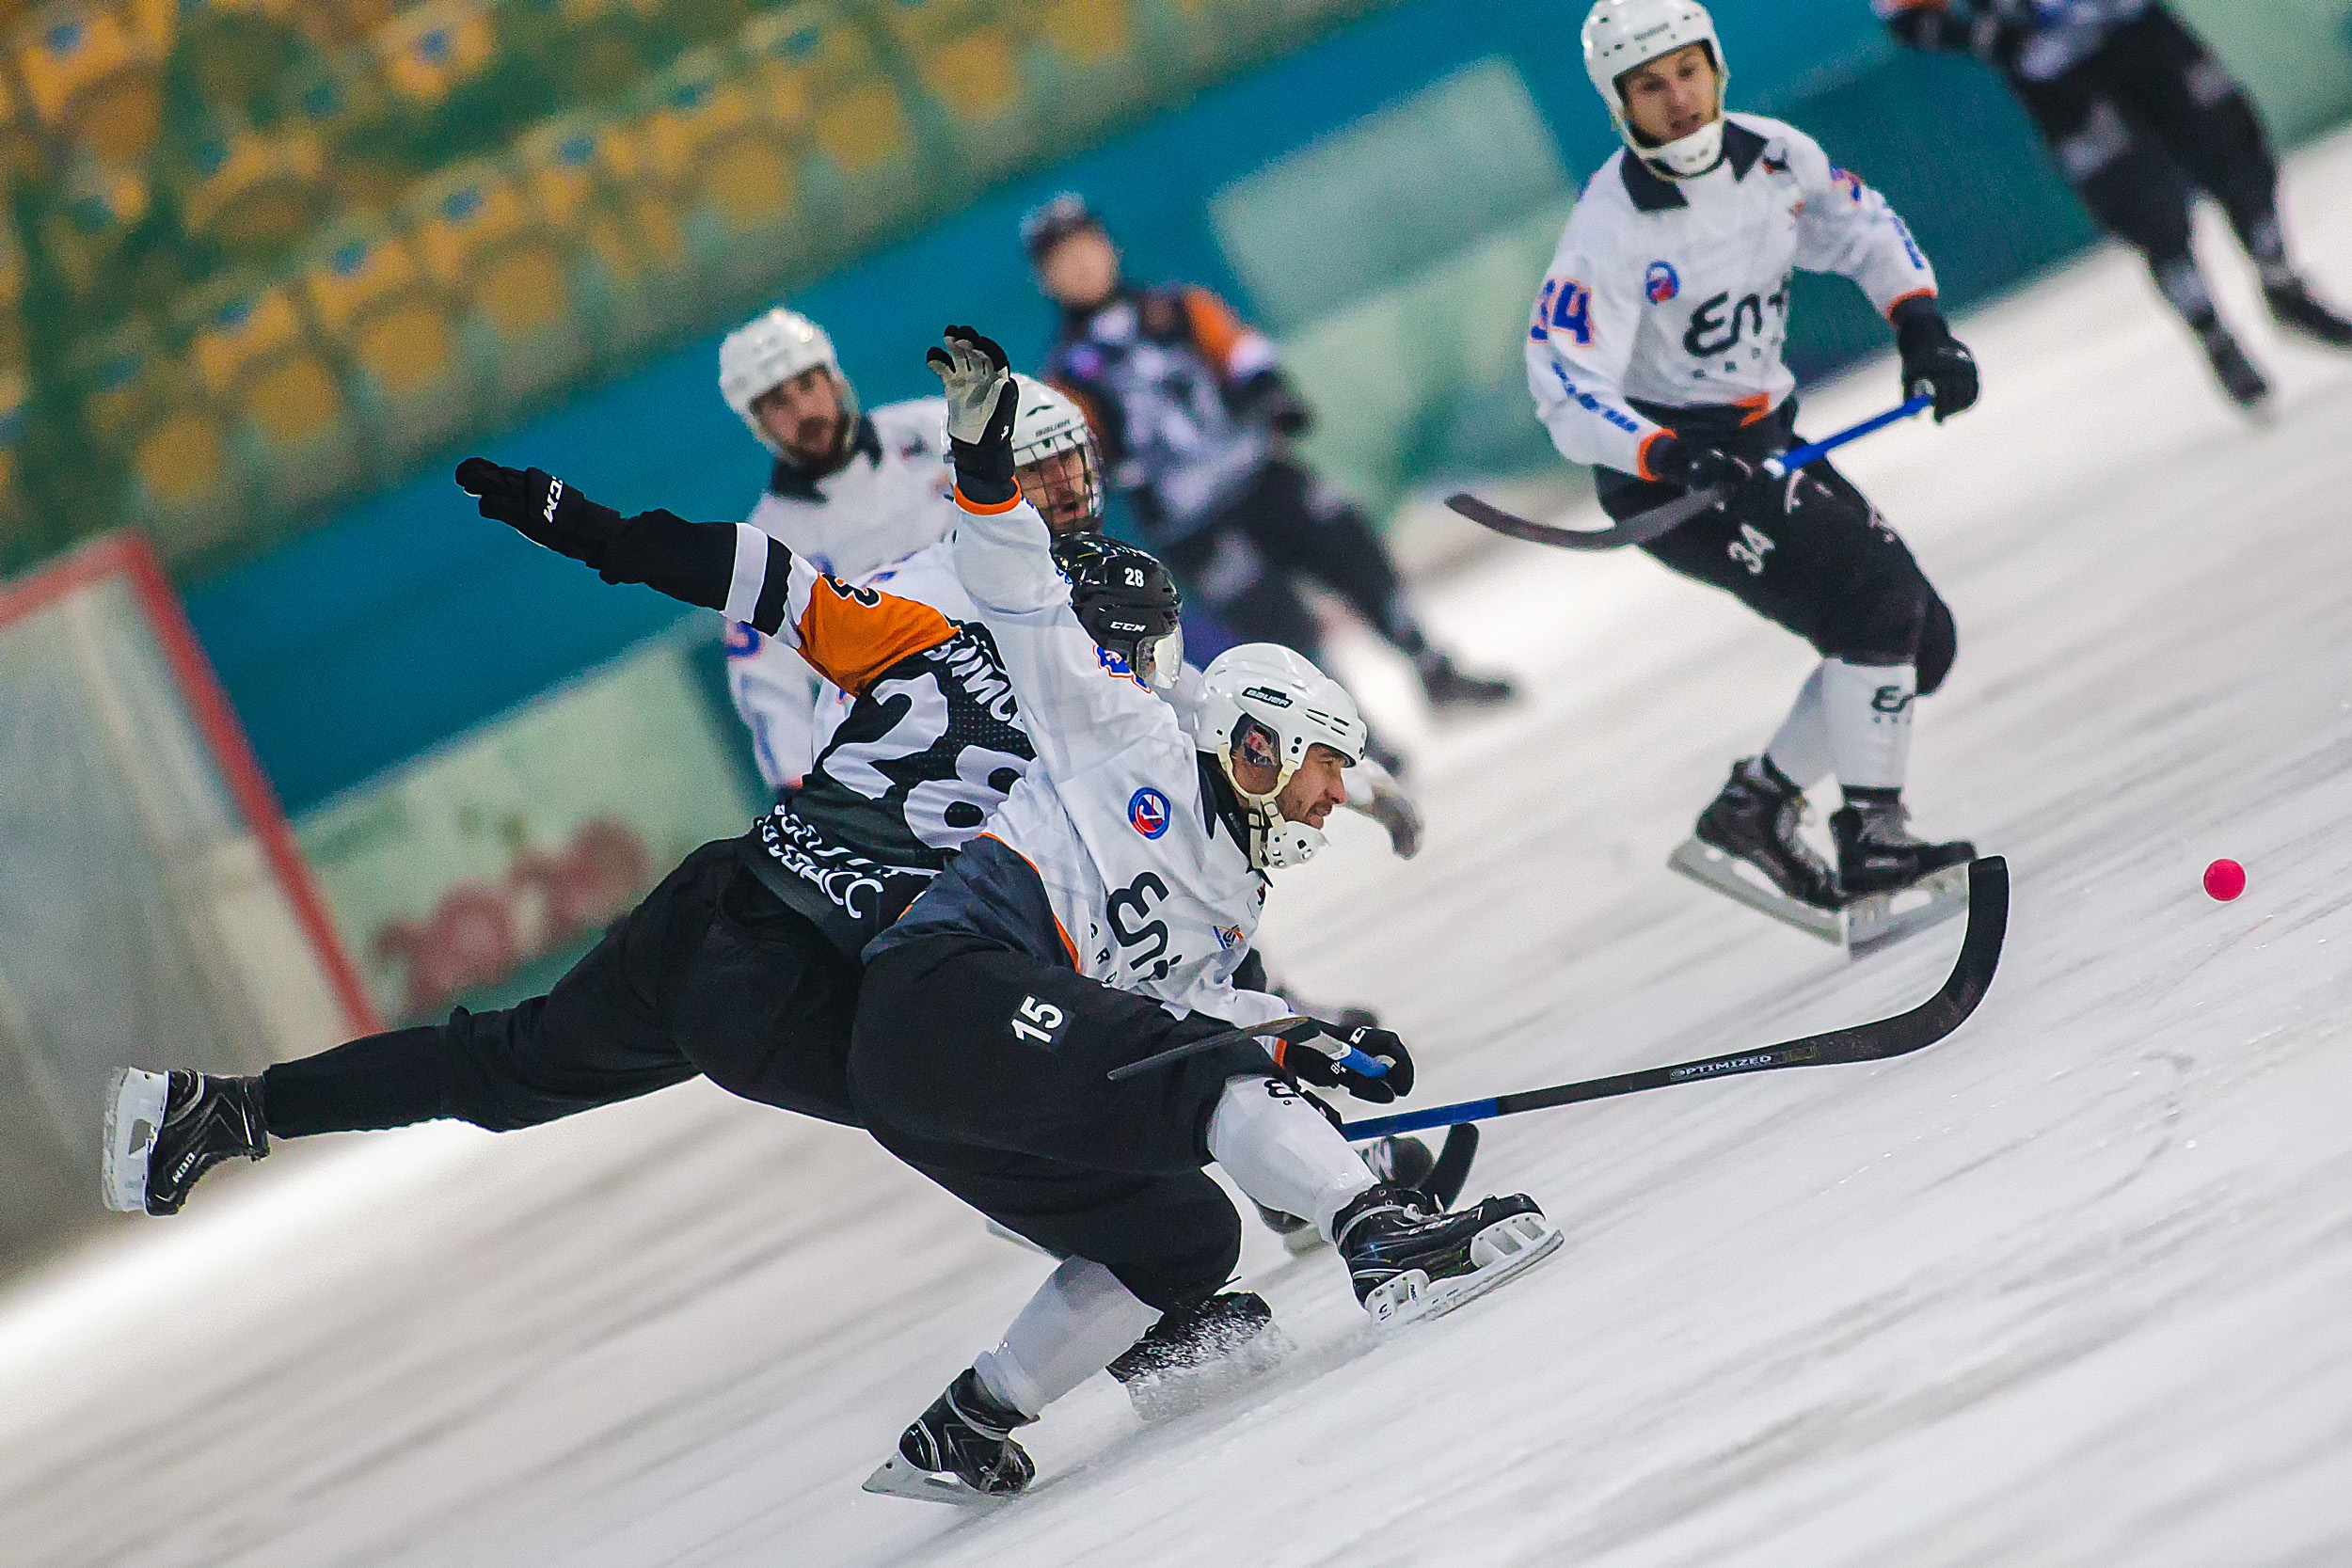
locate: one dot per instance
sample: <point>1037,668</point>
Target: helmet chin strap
<point>1284,843</point>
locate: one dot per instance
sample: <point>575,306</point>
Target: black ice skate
<point>165,1129</point>
<point>1877,852</point>
<point>1747,844</point>
<point>2237,372</point>
<point>1196,1353</point>
<point>1412,1261</point>
<point>960,1451</point>
<point>2295,306</point>
<point>1449,686</point>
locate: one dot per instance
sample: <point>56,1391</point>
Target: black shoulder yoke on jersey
<point>1652,191</point>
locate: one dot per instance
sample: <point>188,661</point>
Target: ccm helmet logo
<point>1147,812</point>
<point>555,497</point>
<point>1266,694</point>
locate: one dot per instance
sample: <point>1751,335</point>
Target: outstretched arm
<point>849,635</point>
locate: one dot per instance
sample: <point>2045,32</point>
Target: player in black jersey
<point>2140,115</point>
<point>742,965</point>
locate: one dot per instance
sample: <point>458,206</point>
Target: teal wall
<point>409,619</point>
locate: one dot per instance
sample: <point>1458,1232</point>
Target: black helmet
<point>1127,602</point>
<point>1051,222</point>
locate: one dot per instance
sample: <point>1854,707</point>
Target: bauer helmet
<point>1047,425</point>
<point>1620,35</point>
<point>1264,705</point>
<point>769,350</point>
<point>1128,604</point>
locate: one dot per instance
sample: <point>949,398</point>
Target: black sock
<point>388,1080</point>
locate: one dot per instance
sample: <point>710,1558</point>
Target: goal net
<point>153,909</point>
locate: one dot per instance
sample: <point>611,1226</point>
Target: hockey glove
<point>982,402</point>
<point>1935,361</point>
<point>1695,466</point>
<point>1332,1055</point>
<point>1269,399</point>
<point>542,508</point>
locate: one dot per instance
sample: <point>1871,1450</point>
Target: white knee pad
<point>1281,1151</point>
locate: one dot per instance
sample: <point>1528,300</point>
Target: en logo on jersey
<point>1664,282</point>
<point>1147,812</point>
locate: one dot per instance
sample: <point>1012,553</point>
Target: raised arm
<point>849,635</point>
<point>1077,710</point>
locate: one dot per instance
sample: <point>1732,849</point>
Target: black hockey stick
<point>1922,1026</point>
<point>1210,1043</point>
<point>1643,527</point>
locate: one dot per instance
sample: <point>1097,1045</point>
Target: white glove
<point>972,371</point>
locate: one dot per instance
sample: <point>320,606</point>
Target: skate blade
<point>1182,1390</point>
<point>1736,880</point>
<point>135,1115</point>
<point>1005,1233</point>
<point>1880,920</point>
<point>1500,1253</point>
<point>899,1478</point>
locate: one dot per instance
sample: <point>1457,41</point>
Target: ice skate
<point>2231,368</point>
<point>1449,686</point>
<point>1897,883</point>
<point>1196,1353</point>
<point>1410,1262</point>
<point>960,1450</point>
<point>1299,1237</point>
<point>165,1129</point>
<point>1747,844</point>
<point>2293,305</point>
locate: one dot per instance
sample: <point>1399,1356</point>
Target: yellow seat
<point>428,52</point>
<point>123,381</point>
<point>975,78</point>
<point>408,349</point>
<point>488,247</point>
<point>255,192</point>
<point>98,205</point>
<point>464,212</point>
<point>234,329</point>
<point>802,55</point>
<point>295,401</point>
<point>181,461</point>
<point>749,183</point>
<point>865,128</point>
<point>1088,33</point>
<point>260,365</point>
<point>920,24</point>
<point>563,163</point>
<point>360,270</point>
<point>524,293</point>
<point>93,79</point>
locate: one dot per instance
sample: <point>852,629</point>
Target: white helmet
<point>1267,704</point>
<point>1620,35</point>
<point>1049,422</point>
<point>769,350</point>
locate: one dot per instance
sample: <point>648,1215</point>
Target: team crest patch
<point>1147,812</point>
<point>1228,937</point>
<point>1663,284</point>
<point>741,640</point>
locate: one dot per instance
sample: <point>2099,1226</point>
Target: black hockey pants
<point>1245,564</point>
<point>2140,124</point>
<point>711,974</point>
<point>1808,553</point>
<point>986,1070</point>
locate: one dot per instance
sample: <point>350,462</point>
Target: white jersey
<point>891,501</point>
<point>1146,886</point>
<point>1674,294</point>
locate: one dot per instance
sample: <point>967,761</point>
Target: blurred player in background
<point>1195,416</point>
<point>1655,356</point>
<point>2140,115</point>
<point>852,492</point>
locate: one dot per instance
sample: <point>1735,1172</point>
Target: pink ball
<point>2225,879</point>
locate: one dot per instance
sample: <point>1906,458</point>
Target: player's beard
<point>816,443</point>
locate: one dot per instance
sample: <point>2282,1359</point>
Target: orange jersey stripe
<point>985,509</point>
<point>851,635</point>
<point>1915,294</point>
<point>1214,326</point>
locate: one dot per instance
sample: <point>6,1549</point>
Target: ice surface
<point>2073,1288</point>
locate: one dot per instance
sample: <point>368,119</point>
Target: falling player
<point>2140,115</point>
<point>1099,921</point>
<point>1655,356</point>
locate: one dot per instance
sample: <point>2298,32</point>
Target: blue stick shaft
<point>1797,457</point>
<point>1415,1121</point>
<point>1371,1067</point>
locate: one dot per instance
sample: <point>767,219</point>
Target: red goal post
<point>154,909</point>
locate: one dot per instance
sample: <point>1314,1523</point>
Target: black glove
<point>1269,399</point>
<point>1302,1052</point>
<point>542,508</point>
<point>1695,466</point>
<point>1934,359</point>
<point>982,402</point>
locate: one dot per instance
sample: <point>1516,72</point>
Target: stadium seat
<point>21,157</point>
<point>235,53</point>
<point>868,137</point>
<point>93,79</point>
<point>920,25</point>
<point>254,193</point>
<point>625,243</point>
<point>259,365</point>
<point>733,171</point>
<point>427,52</point>
<point>492,251</point>
<point>149,416</point>
<point>97,205</point>
<point>981,87</point>
<point>12,277</point>
<point>806,54</point>
<point>1088,33</point>
<point>1090,72</point>
<point>601,48</point>
<point>372,297</point>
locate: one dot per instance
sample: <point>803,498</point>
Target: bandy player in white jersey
<point>1099,920</point>
<point>1655,356</point>
<point>856,493</point>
